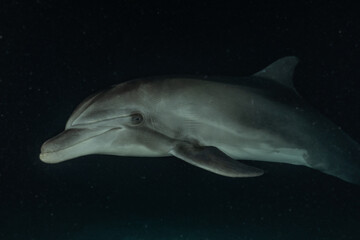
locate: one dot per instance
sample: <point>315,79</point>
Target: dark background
<point>55,53</point>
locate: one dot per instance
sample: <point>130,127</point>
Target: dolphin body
<point>209,124</point>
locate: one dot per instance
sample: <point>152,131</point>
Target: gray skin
<point>209,124</point>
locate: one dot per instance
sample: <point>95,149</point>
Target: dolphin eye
<point>136,118</point>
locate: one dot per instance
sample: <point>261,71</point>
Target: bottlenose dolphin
<point>210,124</point>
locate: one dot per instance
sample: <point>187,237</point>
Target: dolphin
<point>209,124</point>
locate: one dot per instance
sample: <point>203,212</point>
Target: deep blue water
<point>53,54</point>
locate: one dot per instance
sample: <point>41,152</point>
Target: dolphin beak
<point>71,143</point>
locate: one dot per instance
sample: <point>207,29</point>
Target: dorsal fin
<point>280,71</point>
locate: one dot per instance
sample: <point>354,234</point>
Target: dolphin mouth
<point>57,149</point>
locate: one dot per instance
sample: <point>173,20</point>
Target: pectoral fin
<point>213,160</point>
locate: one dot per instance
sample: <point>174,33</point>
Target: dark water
<point>55,53</point>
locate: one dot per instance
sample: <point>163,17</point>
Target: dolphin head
<point>116,121</point>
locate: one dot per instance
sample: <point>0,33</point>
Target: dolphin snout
<point>68,144</point>
<point>61,141</point>
<point>51,148</point>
